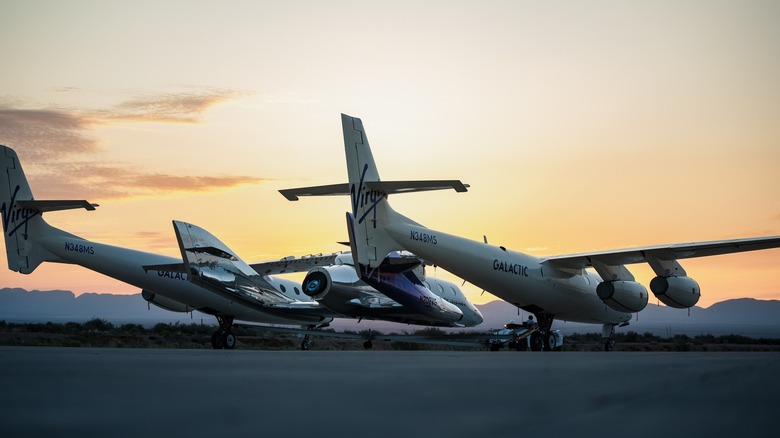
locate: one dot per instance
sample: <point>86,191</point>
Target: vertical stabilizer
<point>18,221</point>
<point>370,210</point>
<point>371,213</point>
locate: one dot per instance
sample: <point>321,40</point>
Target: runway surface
<point>135,392</point>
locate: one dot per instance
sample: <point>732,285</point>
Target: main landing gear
<point>544,339</point>
<point>224,338</point>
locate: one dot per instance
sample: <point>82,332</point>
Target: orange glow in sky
<point>580,126</point>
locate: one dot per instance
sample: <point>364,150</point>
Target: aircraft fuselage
<point>517,278</point>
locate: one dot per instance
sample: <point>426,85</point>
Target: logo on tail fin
<point>362,198</point>
<point>13,219</point>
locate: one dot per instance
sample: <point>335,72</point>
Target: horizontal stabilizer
<point>45,206</point>
<point>386,187</point>
<point>393,187</point>
<point>329,190</point>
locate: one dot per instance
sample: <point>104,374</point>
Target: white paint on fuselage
<point>126,265</point>
<point>515,277</point>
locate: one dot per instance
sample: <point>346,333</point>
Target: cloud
<point>169,107</point>
<point>45,134</point>
<point>97,181</point>
<point>52,139</point>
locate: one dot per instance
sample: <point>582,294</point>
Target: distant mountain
<point>745,316</point>
<point>19,305</point>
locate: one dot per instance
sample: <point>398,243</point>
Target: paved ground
<point>134,392</point>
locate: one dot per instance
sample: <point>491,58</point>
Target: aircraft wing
<point>664,252</point>
<point>292,264</point>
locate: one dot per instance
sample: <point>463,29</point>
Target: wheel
<point>536,341</point>
<point>521,345</point>
<point>368,345</point>
<point>217,341</point>
<point>549,342</point>
<point>305,345</point>
<point>609,345</point>
<point>495,347</point>
<point>228,340</point>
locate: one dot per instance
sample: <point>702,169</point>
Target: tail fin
<point>22,215</point>
<point>17,220</point>
<point>368,195</point>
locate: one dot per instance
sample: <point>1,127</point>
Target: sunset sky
<point>579,125</point>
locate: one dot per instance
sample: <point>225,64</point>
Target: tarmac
<point>88,392</point>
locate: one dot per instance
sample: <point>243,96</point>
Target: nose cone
<point>474,317</point>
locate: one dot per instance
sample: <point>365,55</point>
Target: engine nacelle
<point>319,281</point>
<point>677,292</point>
<point>165,303</point>
<point>623,296</point>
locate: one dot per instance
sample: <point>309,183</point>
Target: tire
<point>608,346</point>
<point>536,342</point>
<point>217,340</point>
<point>549,342</point>
<point>228,340</point>
<point>368,345</point>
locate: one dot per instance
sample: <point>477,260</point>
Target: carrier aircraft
<point>212,279</point>
<point>594,287</point>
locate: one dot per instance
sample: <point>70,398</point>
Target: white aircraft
<point>227,288</point>
<point>405,295</point>
<point>557,287</point>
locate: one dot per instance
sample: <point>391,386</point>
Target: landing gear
<point>544,339</point>
<point>550,342</point>
<point>306,343</point>
<point>368,345</point>
<point>536,342</point>
<point>608,332</point>
<point>520,345</point>
<point>224,338</point>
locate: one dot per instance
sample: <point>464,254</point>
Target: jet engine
<point>623,296</point>
<point>165,303</point>
<point>677,292</point>
<point>319,281</point>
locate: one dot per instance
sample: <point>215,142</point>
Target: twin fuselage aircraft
<point>381,278</point>
<point>212,279</point>
<point>557,287</point>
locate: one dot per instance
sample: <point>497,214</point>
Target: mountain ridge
<point>745,316</point>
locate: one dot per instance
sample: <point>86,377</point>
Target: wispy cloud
<point>184,107</point>
<point>46,134</point>
<point>54,138</point>
<point>98,181</point>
